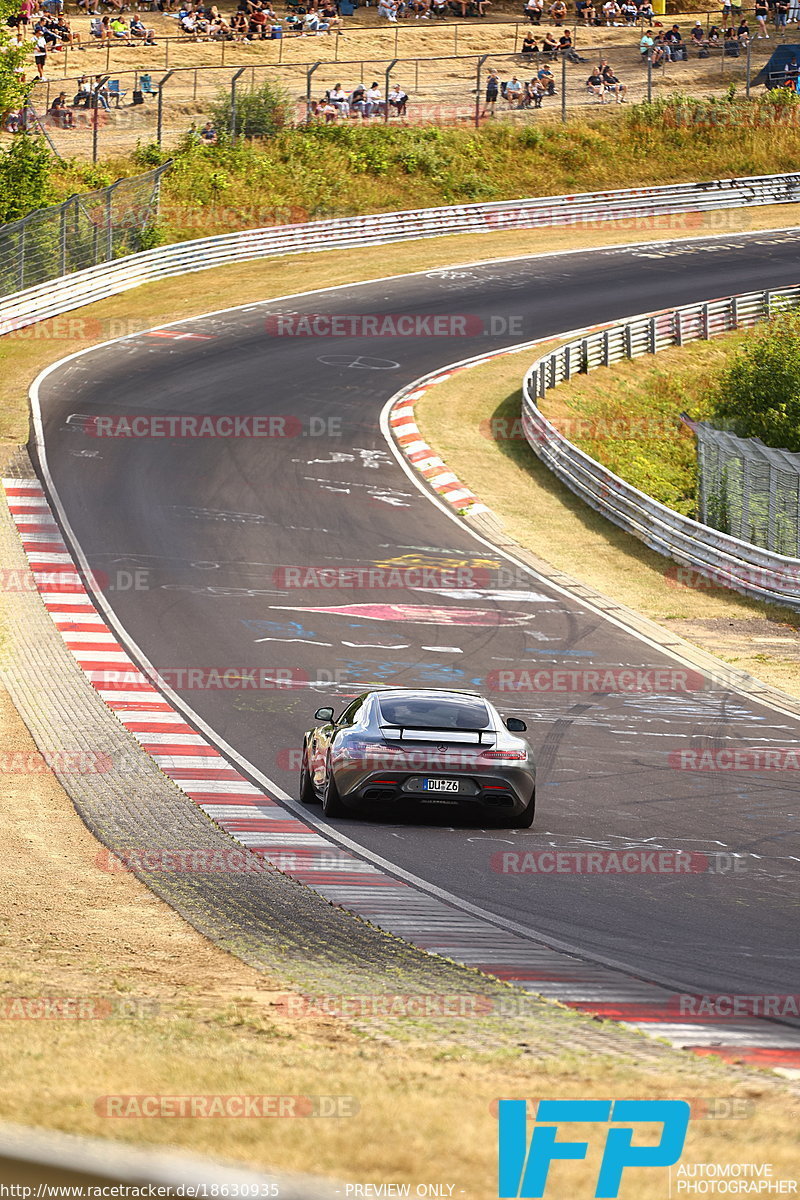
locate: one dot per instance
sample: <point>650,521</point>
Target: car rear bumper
<point>502,794</point>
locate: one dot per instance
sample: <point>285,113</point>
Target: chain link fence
<point>748,490</point>
<point>85,230</point>
<point>150,105</point>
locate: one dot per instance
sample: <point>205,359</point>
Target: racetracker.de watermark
<point>743,758</point>
<point>574,680</point>
<point>180,861</point>
<point>631,861</point>
<point>62,762</point>
<point>209,1106</point>
<point>76,1008</point>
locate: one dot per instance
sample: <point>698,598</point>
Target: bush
<point>24,177</point>
<point>758,395</point>
<point>260,112</point>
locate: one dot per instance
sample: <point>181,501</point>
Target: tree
<point>24,177</point>
<point>260,112</point>
<point>13,91</point>
<point>758,395</point>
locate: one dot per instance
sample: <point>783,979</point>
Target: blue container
<point>276,31</point>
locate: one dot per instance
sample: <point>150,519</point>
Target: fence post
<point>563,88</point>
<point>109,226</point>
<point>194,85</point>
<point>649,76</point>
<point>749,56</point>
<point>62,239</point>
<point>388,72</point>
<point>309,73</point>
<point>160,116</point>
<point>234,81</point>
<point>478,71</point>
<point>222,57</point>
<point>95,100</point>
<point>455,40</point>
<point>21,259</point>
<point>516,35</point>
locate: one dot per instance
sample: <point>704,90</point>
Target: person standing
<point>492,93</point>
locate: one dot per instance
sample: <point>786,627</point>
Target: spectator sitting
<point>209,134</point>
<point>120,30</point>
<point>629,13</point>
<point>674,41</point>
<point>613,85</point>
<point>698,33</point>
<point>646,43</point>
<point>547,80</point>
<point>611,12</point>
<point>558,11</point>
<point>100,94</point>
<point>566,48</point>
<point>338,96</point>
<point>398,100</point>
<point>646,13</point>
<point>327,109</point>
<point>60,113</point>
<point>533,94</point>
<point>550,46</point>
<point>743,32</point>
<point>714,35</point>
<point>513,92</point>
<point>533,11</point>
<point>374,100</point>
<point>258,24</point>
<point>83,95</point>
<point>596,86</point>
<point>529,45</point>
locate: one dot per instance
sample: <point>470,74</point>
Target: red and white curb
<point>266,828</point>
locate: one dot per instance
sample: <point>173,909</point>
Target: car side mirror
<point>515,725</point>
<point>323,714</point>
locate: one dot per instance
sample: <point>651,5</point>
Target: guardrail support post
<point>628,341</point>
<point>567,363</point>
<point>584,356</point>
<point>606,349</point>
<point>653,335</point>
<point>734,312</point>
<point>706,331</point>
<point>678,329</point>
<point>767,299</point>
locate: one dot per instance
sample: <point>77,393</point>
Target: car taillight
<point>504,755</point>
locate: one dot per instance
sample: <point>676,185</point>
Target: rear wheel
<point>331,800</point>
<point>307,793</point>
<point>524,820</point>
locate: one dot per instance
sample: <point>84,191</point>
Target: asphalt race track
<point>210,524</point>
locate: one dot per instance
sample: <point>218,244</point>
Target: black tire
<point>525,819</point>
<point>331,800</point>
<point>307,793</point>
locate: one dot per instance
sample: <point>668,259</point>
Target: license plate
<point>441,785</point>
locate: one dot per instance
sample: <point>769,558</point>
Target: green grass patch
<point>325,171</point>
<point>629,416</point>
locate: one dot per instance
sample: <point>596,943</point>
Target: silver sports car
<point>395,749</point>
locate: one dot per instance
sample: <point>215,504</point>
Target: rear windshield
<point>434,712</point>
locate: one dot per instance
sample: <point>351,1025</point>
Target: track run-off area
<point>307,555</point>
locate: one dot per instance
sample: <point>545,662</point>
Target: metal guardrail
<point>112,278</point>
<point>33,1161</point>
<point>725,560</point>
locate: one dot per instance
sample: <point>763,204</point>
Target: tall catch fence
<point>442,90</point>
<point>86,230</point>
<point>748,490</point>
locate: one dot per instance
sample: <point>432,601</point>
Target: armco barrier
<point>109,279</point>
<point>724,559</point>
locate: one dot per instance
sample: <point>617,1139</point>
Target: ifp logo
<point>523,1167</point>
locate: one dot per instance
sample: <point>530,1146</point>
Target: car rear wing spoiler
<point>424,733</point>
